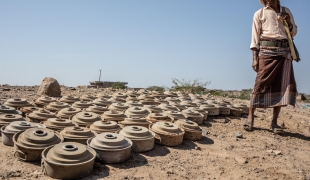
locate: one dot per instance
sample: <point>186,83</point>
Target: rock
<point>277,152</point>
<point>50,87</point>
<point>241,160</point>
<point>269,151</point>
<point>239,135</point>
<point>198,148</point>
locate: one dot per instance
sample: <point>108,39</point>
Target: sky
<point>144,43</point>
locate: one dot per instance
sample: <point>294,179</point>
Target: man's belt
<point>283,44</point>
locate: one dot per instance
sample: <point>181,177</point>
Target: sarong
<point>275,83</point>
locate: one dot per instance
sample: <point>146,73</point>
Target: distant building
<point>105,84</point>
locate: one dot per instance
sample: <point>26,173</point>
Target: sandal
<point>277,130</point>
<point>248,126</point>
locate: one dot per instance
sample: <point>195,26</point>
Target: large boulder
<point>49,87</point>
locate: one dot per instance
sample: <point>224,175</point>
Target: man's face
<point>272,2</point>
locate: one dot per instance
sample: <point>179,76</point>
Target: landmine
<point>156,117</point>
<point>153,108</point>
<point>56,106</point>
<point>17,103</point>
<point>6,119</point>
<point>76,134</point>
<point>102,102</point>
<point>167,133</point>
<point>104,126</point>
<point>118,107</point>
<point>87,97</point>
<point>9,110</point>
<point>97,109</point>
<point>7,132</point>
<point>82,119</point>
<point>193,116</point>
<point>43,101</point>
<point>113,116</point>
<point>111,147</point>
<point>40,116</point>
<point>68,160</point>
<point>58,124</point>
<point>133,103</point>
<point>192,131</point>
<point>66,113</point>
<point>29,144</point>
<point>143,140</point>
<point>135,121</point>
<point>81,104</point>
<point>69,99</point>
<point>136,111</point>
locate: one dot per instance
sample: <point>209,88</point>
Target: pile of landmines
<point>72,132</point>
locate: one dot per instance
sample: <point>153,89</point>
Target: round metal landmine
<point>175,115</point>
<point>113,116</point>
<point>156,117</point>
<point>87,97</point>
<point>6,119</point>
<point>67,112</point>
<point>104,126</point>
<point>39,116</point>
<point>68,160</point>
<point>201,111</point>
<point>242,107</point>
<point>193,116</point>
<point>103,95</point>
<point>81,104</point>
<point>188,103</point>
<point>76,134</point>
<point>7,132</point>
<point>111,147</point>
<point>85,118</point>
<point>224,110</point>
<point>28,109</point>
<point>153,108</point>
<point>97,109</point>
<point>130,98</point>
<point>168,107</point>
<point>161,101</point>
<point>136,112</point>
<point>170,94</point>
<point>9,110</point>
<point>102,102</point>
<point>143,140</point>
<point>58,124</point>
<point>135,121</point>
<point>212,110</point>
<point>133,103</point>
<point>234,111</point>
<point>178,105</point>
<point>17,102</point>
<point>29,144</point>
<point>120,95</point>
<point>56,106</point>
<point>192,130</point>
<point>173,100</point>
<point>118,107</point>
<point>167,134</point>
<point>45,100</point>
<point>69,99</point>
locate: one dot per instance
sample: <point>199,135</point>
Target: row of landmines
<point>72,134</point>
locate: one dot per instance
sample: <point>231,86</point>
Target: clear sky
<point>141,42</point>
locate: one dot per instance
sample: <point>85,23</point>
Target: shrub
<point>156,88</point>
<point>189,86</point>
<point>118,85</point>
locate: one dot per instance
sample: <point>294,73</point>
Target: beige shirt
<point>267,25</point>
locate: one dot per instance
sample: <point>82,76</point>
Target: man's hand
<point>255,60</point>
<point>285,16</point>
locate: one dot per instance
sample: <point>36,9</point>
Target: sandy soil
<point>219,155</point>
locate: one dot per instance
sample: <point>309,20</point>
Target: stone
<point>50,87</point>
<point>239,135</point>
<point>241,160</point>
<point>277,152</point>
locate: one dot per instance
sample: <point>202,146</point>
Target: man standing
<point>275,84</point>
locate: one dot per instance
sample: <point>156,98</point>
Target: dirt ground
<point>219,155</point>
